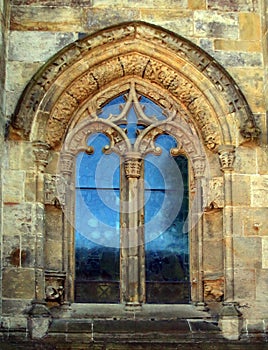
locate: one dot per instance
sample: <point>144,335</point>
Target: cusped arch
<point>159,62</point>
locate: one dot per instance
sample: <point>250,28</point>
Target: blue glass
<point>166,212</point>
<point>113,107</point>
<point>91,170</point>
<point>151,109</point>
<point>97,232</point>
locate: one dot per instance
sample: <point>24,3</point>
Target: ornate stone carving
<point>76,86</point>
<point>199,166</point>
<point>250,131</point>
<point>54,190</point>
<point>214,289</point>
<point>54,286</point>
<point>132,165</point>
<point>226,156</point>
<point>41,152</point>
<point>215,194</point>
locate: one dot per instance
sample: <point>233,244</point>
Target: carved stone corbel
<point>226,156</point>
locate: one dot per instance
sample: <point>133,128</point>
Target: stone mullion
<point>226,156</point>
<point>41,151</point>
<point>67,164</point>
<point>198,253</point>
<point>132,167</point>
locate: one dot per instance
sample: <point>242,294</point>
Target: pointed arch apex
<point>167,61</point>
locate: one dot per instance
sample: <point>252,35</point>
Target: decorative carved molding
<point>132,165</point>
<point>41,152</point>
<point>226,157</point>
<point>54,286</point>
<point>167,66</point>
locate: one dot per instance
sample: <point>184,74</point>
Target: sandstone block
<point>262,160</point>
<point>213,259</point>
<point>241,190</point>
<point>261,285</point>
<point>197,4</point>
<point>259,191</point>
<point>20,155</point>
<point>45,18</point>
<point>250,26</point>
<point>98,18</point>
<point>213,225</point>
<point>236,45</point>
<point>265,252</point>
<point>180,22</point>
<point>13,186</point>
<point>245,160</point>
<point>251,81</point>
<point>17,219</point>
<point>250,221</point>
<point>14,286</point>
<point>35,46</point>
<point>239,59</point>
<point>245,247</point>
<point>234,5</point>
<point>245,284</point>
<point>218,25</point>
<point>19,74</point>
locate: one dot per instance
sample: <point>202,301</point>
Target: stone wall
<point>232,32</point>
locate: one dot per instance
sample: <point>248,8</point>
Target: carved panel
<point>214,289</point>
<point>215,194</point>
<point>54,190</point>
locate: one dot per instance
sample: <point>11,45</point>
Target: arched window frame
<point>188,144</point>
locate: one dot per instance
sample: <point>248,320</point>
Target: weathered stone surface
<point>37,46</point>
<point>236,45</point>
<point>265,252</point>
<point>245,247</point>
<point>19,74</point>
<point>235,5</point>
<point>241,190</point>
<point>14,286</point>
<point>245,286</point>
<point>219,25</point>
<point>20,215</point>
<point>259,190</point>
<point>250,26</point>
<point>98,18</point>
<point>13,186</point>
<point>66,19</point>
<point>20,156</point>
<point>250,221</point>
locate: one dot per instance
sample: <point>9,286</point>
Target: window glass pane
<point>97,224</point>
<point>166,211</point>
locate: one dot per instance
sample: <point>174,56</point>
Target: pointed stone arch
<point>167,68</point>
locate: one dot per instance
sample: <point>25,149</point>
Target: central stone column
<point>132,231</point>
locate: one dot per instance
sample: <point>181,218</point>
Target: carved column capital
<point>226,156</point>
<point>41,152</point>
<point>67,163</point>
<point>133,165</point>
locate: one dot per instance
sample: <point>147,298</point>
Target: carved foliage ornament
<point>144,35</point>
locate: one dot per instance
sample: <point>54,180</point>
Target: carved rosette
<point>133,165</point>
<point>41,152</point>
<point>226,157</point>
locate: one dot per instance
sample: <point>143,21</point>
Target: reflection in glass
<point>97,225</point>
<point>166,211</point>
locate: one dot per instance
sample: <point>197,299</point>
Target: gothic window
<point>131,207</point>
